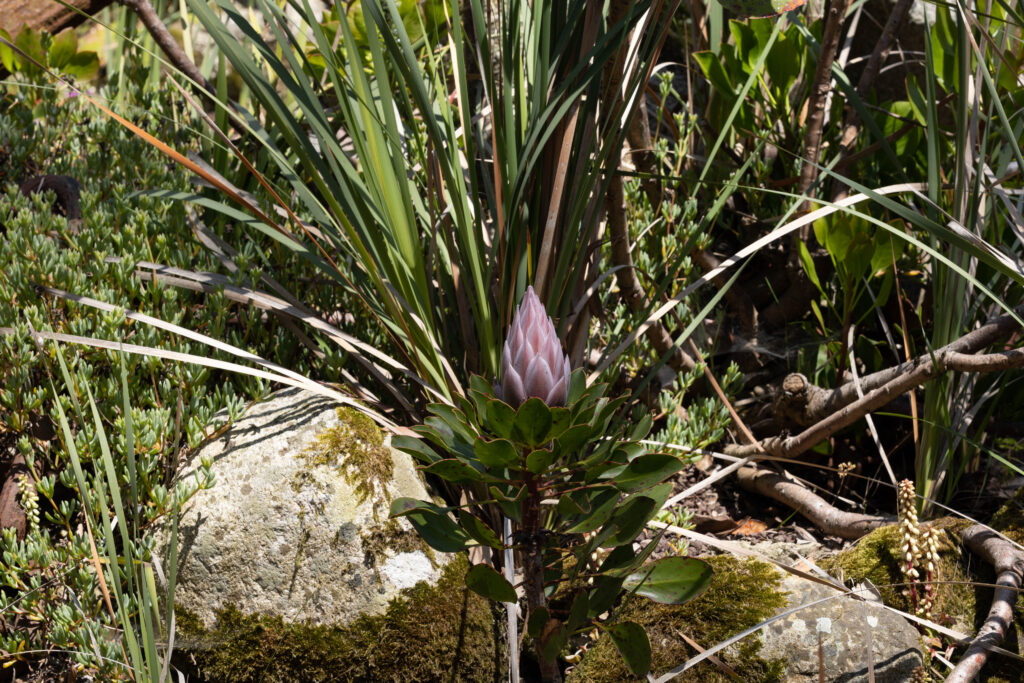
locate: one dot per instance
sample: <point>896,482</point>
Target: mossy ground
<point>431,633</point>
<point>742,593</point>
<point>958,603</point>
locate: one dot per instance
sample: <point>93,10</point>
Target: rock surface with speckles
<point>849,630</point>
<point>297,524</point>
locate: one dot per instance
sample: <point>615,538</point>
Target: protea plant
<point>532,362</point>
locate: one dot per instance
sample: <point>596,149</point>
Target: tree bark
<point>46,15</point>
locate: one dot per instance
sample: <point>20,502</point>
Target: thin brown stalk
<point>834,16</point>
<point>166,42</point>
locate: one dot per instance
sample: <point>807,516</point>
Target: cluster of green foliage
<point>608,486</point>
<point>50,597</point>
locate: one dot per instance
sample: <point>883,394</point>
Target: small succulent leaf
<point>499,418</point>
<point>535,624</point>
<point>671,580</point>
<point>539,460</point>
<point>483,580</point>
<point>533,422</point>
<point>631,641</point>
<point>573,438</point>
<point>601,503</point>
<point>432,523</point>
<point>577,613</point>
<point>417,448</point>
<point>453,470</point>
<point>561,420</point>
<point>497,454</point>
<point>478,530</point>
<point>644,471</point>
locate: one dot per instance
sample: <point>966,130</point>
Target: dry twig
<point>1009,565</point>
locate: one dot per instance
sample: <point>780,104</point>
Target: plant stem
<point>532,550</point>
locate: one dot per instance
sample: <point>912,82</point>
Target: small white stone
<point>872,621</point>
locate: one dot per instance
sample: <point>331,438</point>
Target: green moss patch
<point>430,633</point>
<point>742,594</point>
<point>357,446</point>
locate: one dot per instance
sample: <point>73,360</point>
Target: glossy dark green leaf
<point>631,641</point>
<point>483,580</point>
<point>642,428</point>
<point>577,385</point>
<point>417,448</point>
<point>510,503</point>
<point>628,520</point>
<point>600,502</point>
<point>533,422</point>
<point>499,418</point>
<point>561,420</point>
<point>577,613</point>
<point>605,593</point>
<point>644,471</point>
<point>498,453</point>
<point>671,580</point>
<point>478,530</point>
<point>432,523</point>
<point>453,470</point>
<point>573,439</point>
<point>539,460</point>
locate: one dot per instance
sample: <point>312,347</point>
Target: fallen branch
<point>919,372</point>
<point>812,506</point>
<point>1008,562</point>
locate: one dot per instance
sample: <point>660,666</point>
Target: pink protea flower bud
<point>532,362</point>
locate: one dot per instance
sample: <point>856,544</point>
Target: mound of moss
<point>431,633</point>
<point>742,594</point>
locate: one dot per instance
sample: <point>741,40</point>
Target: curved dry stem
<point>815,508</point>
<point>1009,565</point>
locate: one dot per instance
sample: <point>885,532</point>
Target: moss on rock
<point>742,593</point>
<point>357,446</point>
<point>431,633</point>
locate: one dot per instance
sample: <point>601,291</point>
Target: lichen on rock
<point>355,444</point>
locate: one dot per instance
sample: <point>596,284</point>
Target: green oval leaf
<point>644,471</point>
<point>417,448</point>
<point>539,460</point>
<point>671,580</point>
<point>498,453</point>
<point>533,422</point>
<point>631,641</point>
<point>432,523</point>
<point>453,470</point>
<point>499,418</point>
<point>63,48</point>
<point>484,580</point>
<point>598,505</point>
<point>478,530</point>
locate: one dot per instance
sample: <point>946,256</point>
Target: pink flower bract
<point>532,362</point>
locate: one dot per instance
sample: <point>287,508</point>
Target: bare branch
<point>165,40</point>
<point>815,508</point>
<point>1009,565</point>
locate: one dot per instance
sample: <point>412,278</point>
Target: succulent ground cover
<point>772,246</point>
